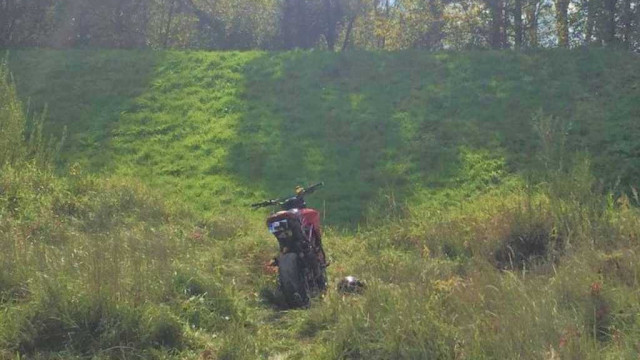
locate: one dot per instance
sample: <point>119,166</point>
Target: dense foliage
<point>328,24</point>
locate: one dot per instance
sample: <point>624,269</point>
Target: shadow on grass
<point>220,130</point>
<point>273,299</point>
<point>376,126</point>
<point>85,91</point>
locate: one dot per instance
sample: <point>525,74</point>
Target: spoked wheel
<point>292,281</point>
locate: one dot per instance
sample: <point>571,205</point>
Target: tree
<point>296,25</point>
<point>429,16</point>
<point>170,10</point>
<point>590,20</point>
<point>532,12</point>
<point>562,22</point>
<point>627,18</point>
<point>497,38</point>
<point>25,22</point>
<point>330,24</point>
<point>465,24</point>
<point>383,22</point>
<point>209,28</point>
<point>517,23</point>
<point>333,18</point>
<point>609,22</point>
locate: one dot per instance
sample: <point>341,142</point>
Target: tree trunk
<point>167,30</point>
<point>435,33</point>
<point>562,22</point>
<point>387,11</point>
<point>206,22</point>
<point>532,23</point>
<point>627,19</point>
<point>331,24</point>
<point>376,16</point>
<point>496,8</point>
<point>506,24</point>
<point>591,21</point>
<point>202,16</point>
<point>609,35</point>
<point>517,23</point>
<point>8,17</point>
<point>142,30</point>
<point>301,28</point>
<point>347,36</point>
<point>287,25</point>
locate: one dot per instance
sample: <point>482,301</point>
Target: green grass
<point>219,130</point>
<point>481,204</point>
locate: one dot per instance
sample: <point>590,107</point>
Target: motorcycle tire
<point>292,281</point>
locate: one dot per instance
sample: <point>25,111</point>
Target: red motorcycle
<point>302,262</point>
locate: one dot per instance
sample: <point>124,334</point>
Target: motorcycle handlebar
<point>264,203</point>
<point>309,190</point>
<point>313,188</point>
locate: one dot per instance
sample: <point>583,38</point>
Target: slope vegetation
<point>219,129</point>
<point>498,212</point>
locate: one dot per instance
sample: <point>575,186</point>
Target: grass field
<point>218,129</point>
<point>489,199</point>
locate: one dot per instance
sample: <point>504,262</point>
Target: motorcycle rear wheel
<point>292,281</point>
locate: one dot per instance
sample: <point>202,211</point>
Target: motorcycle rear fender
<point>282,215</point>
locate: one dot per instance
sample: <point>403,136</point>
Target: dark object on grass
<point>351,285</point>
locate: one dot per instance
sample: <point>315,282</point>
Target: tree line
<point>325,24</point>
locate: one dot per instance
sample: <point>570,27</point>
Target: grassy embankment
<point>484,188</point>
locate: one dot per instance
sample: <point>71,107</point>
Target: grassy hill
<point>218,129</point>
<point>495,194</point>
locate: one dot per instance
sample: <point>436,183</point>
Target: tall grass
<point>88,264</point>
<point>13,120</point>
